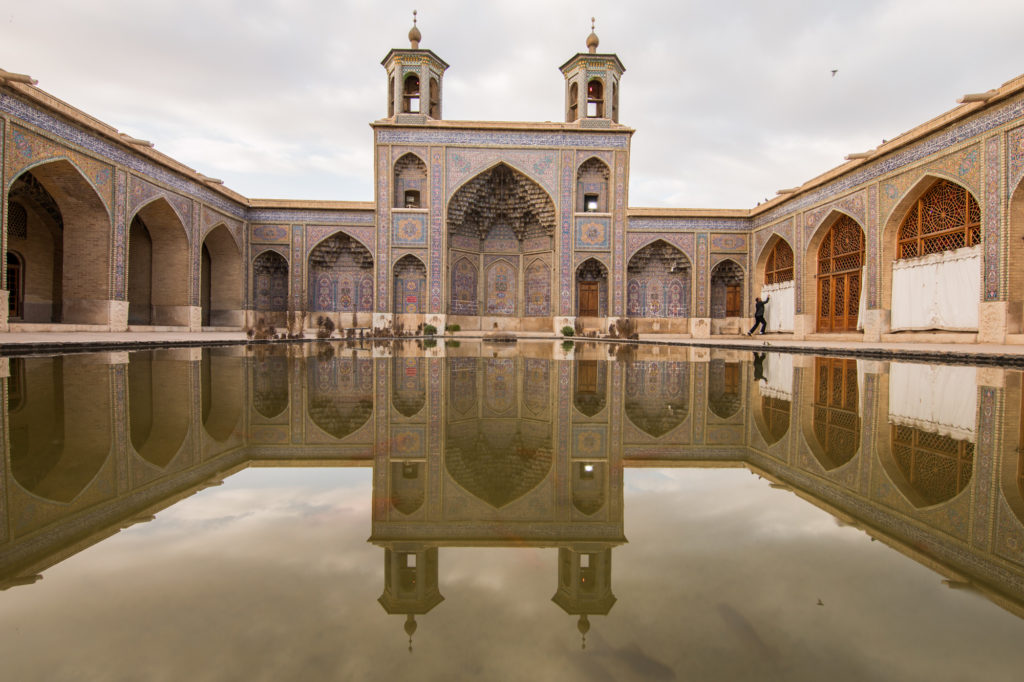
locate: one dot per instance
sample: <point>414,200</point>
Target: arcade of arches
<point>520,226</point>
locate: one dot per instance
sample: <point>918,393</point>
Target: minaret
<point>414,81</point>
<point>592,85</point>
<point>410,583</point>
<point>585,583</point>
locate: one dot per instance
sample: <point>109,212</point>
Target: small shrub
<point>452,344</point>
<point>429,329</point>
<point>453,328</point>
<point>567,345</point>
<point>568,331</point>
<point>430,343</point>
<point>626,327</point>
<point>324,327</point>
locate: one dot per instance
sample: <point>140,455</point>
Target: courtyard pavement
<point>19,343</point>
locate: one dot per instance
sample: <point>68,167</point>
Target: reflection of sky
<point>270,577</point>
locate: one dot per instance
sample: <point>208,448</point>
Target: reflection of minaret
<point>585,583</point>
<point>410,582</point>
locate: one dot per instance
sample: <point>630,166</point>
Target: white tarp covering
<point>862,303</point>
<point>778,374</point>
<point>937,291</point>
<point>935,398</point>
<point>779,311</point>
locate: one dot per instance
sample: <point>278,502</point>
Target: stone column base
<point>174,315</point>
<point>992,319</point>
<point>802,326</point>
<point>4,298</point>
<point>195,318</point>
<point>700,327</point>
<point>876,322</point>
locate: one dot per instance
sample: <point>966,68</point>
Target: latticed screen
<point>836,410</point>
<point>842,250</point>
<point>946,217</point>
<point>779,267</point>
<point>937,467</point>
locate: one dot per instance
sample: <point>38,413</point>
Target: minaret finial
<point>592,41</point>
<point>414,34</point>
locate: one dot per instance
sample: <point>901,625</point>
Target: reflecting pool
<point>509,511</point>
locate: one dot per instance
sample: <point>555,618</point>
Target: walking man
<point>759,315</point>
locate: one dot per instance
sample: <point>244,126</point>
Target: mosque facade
<point>514,227</point>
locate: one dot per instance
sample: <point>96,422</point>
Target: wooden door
<point>14,301</point>
<point>588,299</point>
<point>840,258</point>
<point>733,300</point>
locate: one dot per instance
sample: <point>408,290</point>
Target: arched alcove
<point>658,282</point>
<point>221,284</point>
<point>657,395</point>
<point>158,267</point>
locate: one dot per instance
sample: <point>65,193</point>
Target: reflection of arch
<point>462,386</point>
<point>408,486</point>
<point>500,386</point>
<point>410,285</point>
<point>409,385</point>
<point>76,275</point>
<point>337,275</point>
<point>59,439</point>
<point>270,282</point>
<point>727,289</point>
<point>589,394</point>
<point>497,460</point>
<point>159,405</point>
<point>1012,473</point>
<point>833,432</point>
<point>222,386</point>
<point>771,415</point>
<point>270,384</point>
<point>838,257</point>
<point>158,263</point>
<point>536,387</point>
<point>340,393</point>
<point>657,395</point>
<point>658,282</point>
<point>588,482</point>
<point>592,289</point>
<point>723,388</point>
<point>221,287</point>
<point>928,468</point>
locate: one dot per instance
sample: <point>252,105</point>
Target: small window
<point>411,94</point>
<point>584,561</point>
<point>586,472</point>
<point>590,203</point>
<point>410,561</point>
<point>412,198</point>
<point>410,470</point>
<point>595,99</point>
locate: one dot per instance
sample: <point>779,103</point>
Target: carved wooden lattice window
<point>779,267</point>
<point>840,258</point>
<point>937,467</point>
<point>946,217</point>
<point>836,416</point>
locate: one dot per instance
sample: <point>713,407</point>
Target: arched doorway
<point>16,292</point>
<point>64,217</point>
<point>840,265</point>
<point>936,274</point>
<point>221,280</point>
<point>501,227</point>
<point>410,286</point>
<point>778,285</point>
<point>270,287</point>
<point>592,289</point>
<point>658,282</point>
<point>158,267</point>
<point>726,297</point>
<point>340,275</point>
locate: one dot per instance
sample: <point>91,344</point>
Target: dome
<point>592,40</point>
<point>414,34</point>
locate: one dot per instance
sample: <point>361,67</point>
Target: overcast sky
<point>731,99</point>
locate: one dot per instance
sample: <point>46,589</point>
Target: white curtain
<point>935,398</point>
<point>778,374</point>
<point>862,304</point>
<point>937,291</point>
<point>779,311</point>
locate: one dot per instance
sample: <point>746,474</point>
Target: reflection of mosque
<point>497,447</point>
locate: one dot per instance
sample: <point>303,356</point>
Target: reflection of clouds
<point>253,580</point>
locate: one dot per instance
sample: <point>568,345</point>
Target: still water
<point>505,512</point>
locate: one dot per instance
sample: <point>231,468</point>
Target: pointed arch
<point>340,393</point>
<point>501,287</point>
<point>222,385</point>
<point>221,279</point>
<point>81,260</point>
<point>408,486</point>
<point>270,284</point>
<point>537,288</point>
<point>727,279</point>
<point>409,385</point>
<point>481,177</point>
<point>336,270</point>
<point>410,182</point>
<point>592,288</point>
<point>271,388</point>
<point>158,266</point>
<point>464,287</point>
<point>1015,238</point>
<point>658,281</point>
<point>836,253</point>
<point>657,396</point>
<point>724,399</point>
<point>593,177</point>
<point>831,425</point>
<point>410,285</point>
